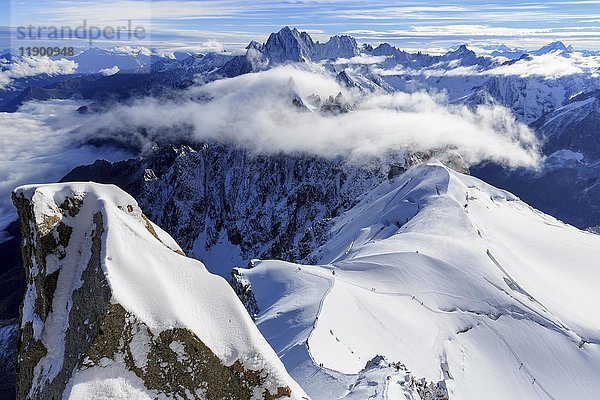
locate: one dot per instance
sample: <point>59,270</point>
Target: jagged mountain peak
<point>292,45</point>
<point>288,45</point>
<point>294,94</point>
<point>254,45</point>
<point>557,46</point>
<point>462,48</point>
<point>343,46</point>
<point>459,52</point>
<point>385,49</point>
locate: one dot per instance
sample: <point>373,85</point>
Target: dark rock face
<point>575,127</point>
<point>165,370</point>
<point>9,333</point>
<point>41,240</point>
<point>243,289</point>
<point>11,274</point>
<point>266,206</point>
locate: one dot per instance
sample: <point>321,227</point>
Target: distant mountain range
<point>519,84</point>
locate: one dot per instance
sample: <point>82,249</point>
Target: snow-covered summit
<point>554,47</point>
<point>289,45</point>
<point>113,308</point>
<point>462,283</point>
<point>336,47</point>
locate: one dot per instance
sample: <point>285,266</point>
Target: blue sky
<point>407,24</point>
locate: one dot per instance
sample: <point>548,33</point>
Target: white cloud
<point>107,12</point>
<point>361,59</point>
<point>134,50</point>
<point>484,34</point>
<point>212,46</point>
<point>549,66</point>
<point>110,71</point>
<point>435,71</point>
<point>256,111</point>
<point>39,145</point>
<point>32,66</point>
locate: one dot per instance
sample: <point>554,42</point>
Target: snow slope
<point>94,257</point>
<point>463,283</point>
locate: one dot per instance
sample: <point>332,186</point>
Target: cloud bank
<point>32,66</point>
<point>547,66</point>
<point>256,111</point>
<point>41,142</point>
<point>38,145</point>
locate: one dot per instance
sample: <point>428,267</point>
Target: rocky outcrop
<point>381,376</point>
<point>242,287</point>
<point>86,316</point>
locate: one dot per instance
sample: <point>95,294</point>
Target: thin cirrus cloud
<point>415,24</point>
<point>477,34</point>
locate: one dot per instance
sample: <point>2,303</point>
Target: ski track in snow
<point>521,365</point>
<point>331,282</point>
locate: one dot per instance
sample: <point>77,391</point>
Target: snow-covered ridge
<point>113,308</point>
<point>461,282</point>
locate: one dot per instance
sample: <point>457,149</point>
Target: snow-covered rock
<point>289,45</point>
<point>466,57</point>
<point>113,309</point>
<point>530,97</point>
<point>554,47</point>
<point>382,380</point>
<point>506,52</point>
<point>94,59</point>
<point>336,47</point>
